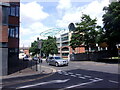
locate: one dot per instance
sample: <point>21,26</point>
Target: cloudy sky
<point>38,16</point>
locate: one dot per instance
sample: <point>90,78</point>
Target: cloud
<point>32,11</point>
<point>30,33</point>
<point>64,4</point>
<point>73,14</point>
<point>31,16</point>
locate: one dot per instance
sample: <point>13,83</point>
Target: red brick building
<point>9,34</point>
<point>63,45</point>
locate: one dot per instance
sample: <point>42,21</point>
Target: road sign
<point>39,44</point>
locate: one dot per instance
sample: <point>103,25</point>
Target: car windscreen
<point>57,58</point>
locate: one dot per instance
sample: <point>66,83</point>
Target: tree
<point>49,46</point>
<point>34,48</point>
<point>111,21</point>
<point>85,33</point>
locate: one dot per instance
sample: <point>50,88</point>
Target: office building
<point>64,48</point>
<point>9,35</point>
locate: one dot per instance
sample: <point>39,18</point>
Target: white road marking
<point>59,71</point>
<point>78,74</point>
<point>97,78</point>
<point>87,76</point>
<point>70,73</point>
<point>82,77</point>
<point>81,84</point>
<point>50,82</point>
<point>92,79</point>
<point>73,75</point>
<point>66,74</point>
<point>113,81</point>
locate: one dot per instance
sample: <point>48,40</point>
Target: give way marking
<point>81,84</point>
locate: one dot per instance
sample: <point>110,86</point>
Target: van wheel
<point>56,64</point>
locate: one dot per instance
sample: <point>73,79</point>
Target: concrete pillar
<point>3,61</point>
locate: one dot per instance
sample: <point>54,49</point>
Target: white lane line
<point>113,81</point>
<point>87,76</point>
<point>49,82</point>
<point>82,77</point>
<point>73,75</point>
<point>81,84</point>
<point>70,73</point>
<point>97,78</point>
<point>92,79</point>
<point>78,74</point>
<point>65,73</point>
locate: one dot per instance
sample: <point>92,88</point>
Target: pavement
<point>24,74</point>
<point>28,72</point>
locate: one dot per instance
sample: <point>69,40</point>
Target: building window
<point>17,11</point>
<point>3,44</point>
<point>64,38</point>
<point>5,15</point>
<point>13,32</point>
<point>12,11</point>
<point>16,32</point>
<point>16,50</point>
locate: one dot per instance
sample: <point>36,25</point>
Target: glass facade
<point>5,15</point>
<point>65,38</point>
<point>13,11</point>
<point>3,45</point>
<point>13,32</point>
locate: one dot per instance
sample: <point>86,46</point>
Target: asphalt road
<point>76,75</point>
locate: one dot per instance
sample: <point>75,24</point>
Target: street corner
<point>48,70</point>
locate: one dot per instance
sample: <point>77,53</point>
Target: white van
<point>21,55</point>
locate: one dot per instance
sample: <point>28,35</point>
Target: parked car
<point>21,55</point>
<point>56,60</point>
<point>37,59</point>
<point>26,58</point>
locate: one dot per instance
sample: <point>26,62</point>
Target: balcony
<point>65,51</point>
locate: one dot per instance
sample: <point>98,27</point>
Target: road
<point>82,74</point>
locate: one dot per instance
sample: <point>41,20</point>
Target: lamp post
<point>40,61</point>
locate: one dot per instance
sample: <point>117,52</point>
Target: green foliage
<point>49,46</point>
<point>111,20</point>
<point>86,32</point>
<point>34,48</point>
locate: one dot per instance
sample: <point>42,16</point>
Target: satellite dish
<point>71,27</point>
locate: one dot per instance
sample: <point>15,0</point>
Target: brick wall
<point>13,20</point>
<point>13,43</point>
<point>4,34</point>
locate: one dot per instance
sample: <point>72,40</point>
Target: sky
<point>40,16</point>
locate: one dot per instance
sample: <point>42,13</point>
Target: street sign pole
<point>40,61</point>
